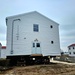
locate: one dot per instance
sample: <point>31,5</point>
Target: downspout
<point>12,34</point>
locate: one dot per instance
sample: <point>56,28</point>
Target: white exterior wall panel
<point>3,53</point>
<point>26,35</point>
<point>72,51</point>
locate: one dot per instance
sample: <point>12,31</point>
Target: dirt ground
<point>50,69</point>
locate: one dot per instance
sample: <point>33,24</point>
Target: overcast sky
<point>61,11</point>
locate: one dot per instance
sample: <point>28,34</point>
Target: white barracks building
<point>32,34</point>
<point>2,51</point>
<point>71,50</point>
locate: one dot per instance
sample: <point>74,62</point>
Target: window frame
<point>73,52</point>
<point>73,48</point>
<point>70,53</point>
<point>33,44</point>
<point>37,44</point>
<point>52,42</point>
<point>36,27</point>
<point>51,26</point>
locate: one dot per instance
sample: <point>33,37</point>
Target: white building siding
<point>71,51</point>
<point>3,53</point>
<point>24,28</point>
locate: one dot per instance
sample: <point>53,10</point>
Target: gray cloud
<point>2,37</point>
<point>2,29</point>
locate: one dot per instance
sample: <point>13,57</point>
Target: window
<point>69,48</point>
<point>73,52</point>
<point>52,42</point>
<point>33,44</point>
<point>73,47</point>
<point>51,26</point>
<point>69,52</point>
<point>35,27</point>
<point>38,45</point>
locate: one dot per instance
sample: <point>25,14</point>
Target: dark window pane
<point>38,45</point>
<point>52,42</point>
<point>35,27</point>
<point>73,52</point>
<point>51,26</point>
<point>73,47</point>
<point>69,52</point>
<point>33,44</point>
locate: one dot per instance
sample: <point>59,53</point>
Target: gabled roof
<point>71,45</point>
<point>31,13</point>
<point>3,47</point>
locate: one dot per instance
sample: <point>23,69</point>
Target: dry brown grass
<point>51,69</point>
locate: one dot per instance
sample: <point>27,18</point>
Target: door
<point>36,48</point>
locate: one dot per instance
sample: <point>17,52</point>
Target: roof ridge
<point>71,45</point>
<point>3,47</point>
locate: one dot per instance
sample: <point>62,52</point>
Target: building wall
<point>3,53</point>
<point>26,35</point>
<point>71,51</point>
